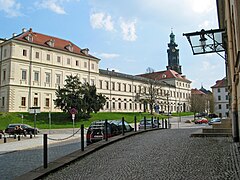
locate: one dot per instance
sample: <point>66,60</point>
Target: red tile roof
<point>161,75</point>
<point>220,83</point>
<point>197,92</point>
<point>42,40</point>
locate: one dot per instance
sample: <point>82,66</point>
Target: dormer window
<point>29,38</point>
<point>164,76</point>
<point>85,51</point>
<point>69,47</point>
<point>51,42</point>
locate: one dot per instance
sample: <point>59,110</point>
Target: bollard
<point>82,137</point>
<point>152,121</point>
<point>123,125</point>
<point>19,138</point>
<point>106,130</point>
<point>45,152</point>
<point>15,136</point>
<point>135,123</point>
<point>165,124</point>
<point>162,123</point>
<point>145,122</point>
<point>30,135</point>
<point>157,122</point>
<point>4,139</point>
<point>0,136</point>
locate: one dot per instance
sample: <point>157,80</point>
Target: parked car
<point>212,115</point>
<point>200,121</point>
<point>148,124</point>
<point>214,121</point>
<point>24,128</point>
<point>202,114</point>
<point>96,130</point>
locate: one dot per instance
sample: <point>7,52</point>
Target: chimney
<point>24,30</point>
<point>30,30</point>
<point>14,34</point>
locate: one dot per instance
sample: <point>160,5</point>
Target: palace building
<point>34,65</point>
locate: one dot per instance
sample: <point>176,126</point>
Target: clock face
<point>173,50</point>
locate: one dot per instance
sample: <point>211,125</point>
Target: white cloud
<point>10,7</point>
<point>205,25</point>
<point>202,6</point>
<point>128,30</point>
<point>54,5</point>
<point>108,55</point>
<point>101,21</point>
<point>206,66</point>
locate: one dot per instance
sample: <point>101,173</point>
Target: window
<point>23,101</point>
<point>92,66</point>
<point>130,106</point>
<point>24,52</point>
<point>3,101</point>
<point>113,105</point>
<point>85,64</point>
<point>4,52</point>
<point>4,74</point>
<point>125,105</point>
<point>219,106</point>
<point>130,88</point>
<point>92,82</point>
<point>59,59</point>
<point>58,78</point>
<point>24,75</point>
<point>48,78</point>
<point>119,105</point>
<point>48,57</point>
<point>124,87</point>
<point>226,97</point>
<point>107,105</point>
<point>119,86</point>
<point>35,101</point>
<point>135,105</point>
<point>219,90</point>
<point>47,102</point>
<point>107,85</point>
<point>37,55</point>
<point>100,84</point>
<point>219,98</point>
<point>113,85</point>
<point>77,63</point>
<point>68,61</point>
<point>135,88</point>
<point>227,106</point>
<point>36,76</point>
<point>226,89</point>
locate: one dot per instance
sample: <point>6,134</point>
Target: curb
<point>76,155</point>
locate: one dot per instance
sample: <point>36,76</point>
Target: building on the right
<point>220,98</point>
<point>228,19</point>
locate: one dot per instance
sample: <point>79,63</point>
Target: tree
<point>82,97</point>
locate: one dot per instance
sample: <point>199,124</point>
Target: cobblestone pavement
<point>18,160</point>
<point>165,154</point>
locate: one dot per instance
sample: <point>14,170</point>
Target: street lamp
<point>206,41</point>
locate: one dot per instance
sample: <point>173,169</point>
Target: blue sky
<point>128,35</point>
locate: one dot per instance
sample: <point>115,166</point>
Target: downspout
<point>30,79</point>
<point>235,130</point>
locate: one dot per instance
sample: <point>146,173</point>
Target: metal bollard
<point>145,123</point>
<point>15,136</point>
<point>19,138</point>
<point>82,137</point>
<point>135,123</point>
<point>0,136</point>
<point>166,124</point>
<point>157,122</point>
<point>162,123</point>
<point>4,139</point>
<point>30,135</point>
<point>152,121</point>
<point>123,126</point>
<point>45,151</point>
<point>106,130</point>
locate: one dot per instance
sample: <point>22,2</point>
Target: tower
<point>173,55</point>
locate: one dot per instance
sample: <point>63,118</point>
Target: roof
<point>167,74</point>
<point>46,40</point>
<point>220,83</point>
<point>197,92</point>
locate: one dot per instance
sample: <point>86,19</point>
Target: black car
<point>212,115</point>
<point>20,129</point>
<point>96,130</point>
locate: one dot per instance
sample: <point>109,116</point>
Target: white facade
<point>32,71</point>
<point>221,98</point>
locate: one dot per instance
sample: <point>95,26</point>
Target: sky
<point>128,35</point>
